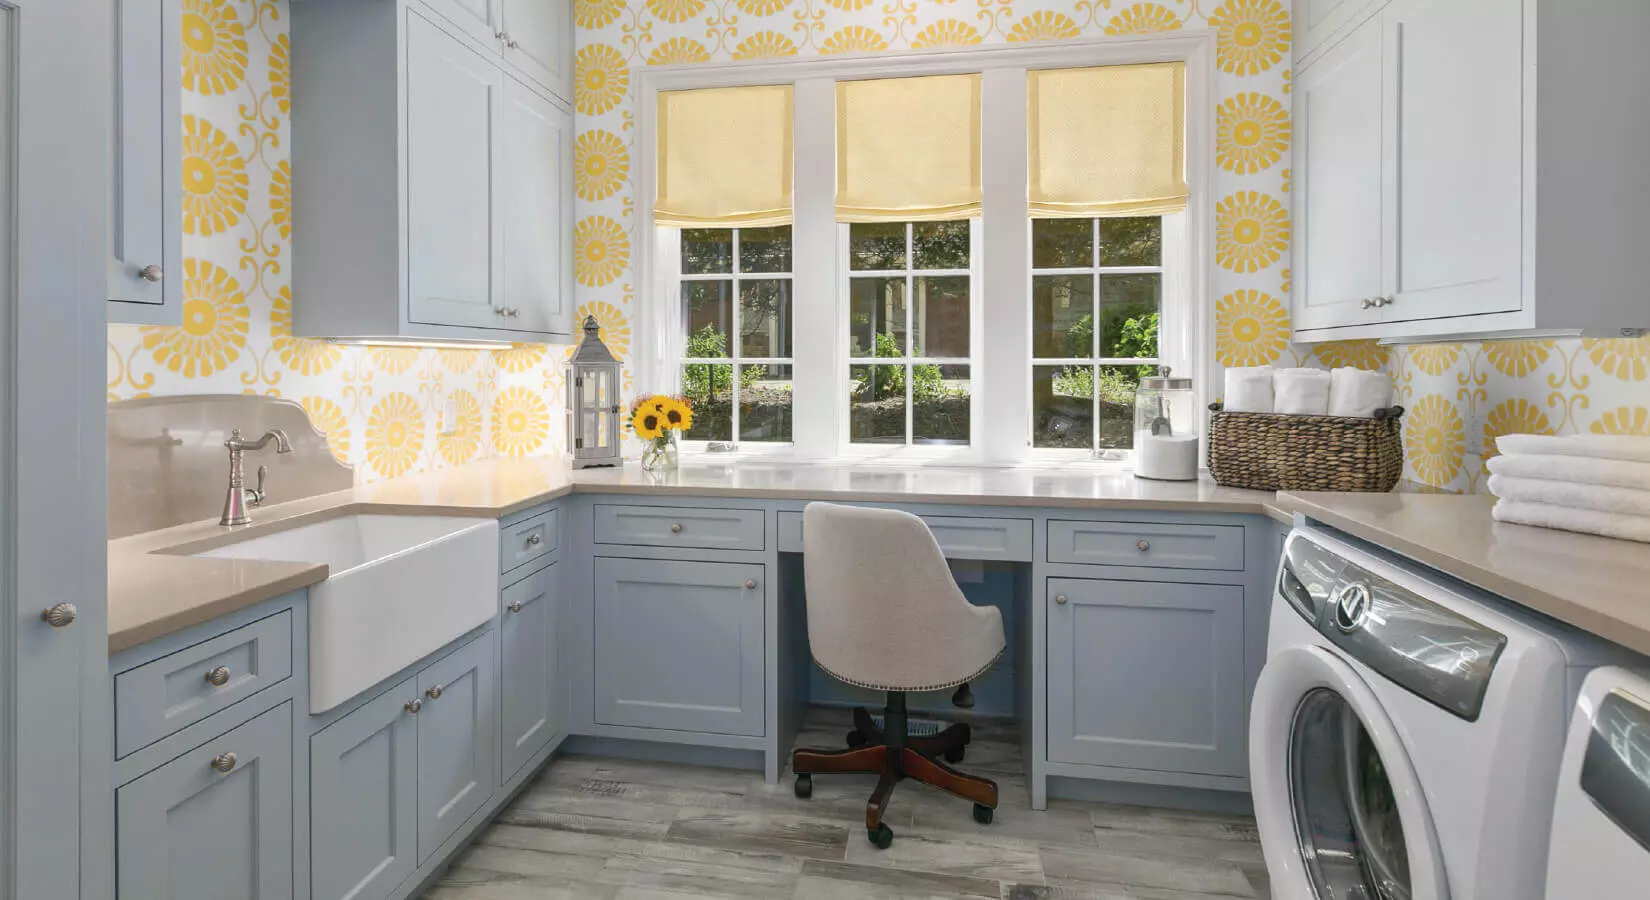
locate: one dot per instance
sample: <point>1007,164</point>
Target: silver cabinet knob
<point>60,615</point>
<point>434,692</point>
<point>151,273</point>
<point>676,528</point>
<point>1143,545</point>
<point>512,43</point>
<point>1366,303</point>
<point>1060,599</point>
<point>750,584</point>
<point>498,310</point>
<point>223,762</point>
<point>1383,301</point>
<point>413,706</point>
<point>535,539</point>
<point>511,312</point>
<point>218,677</point>
<point>514,607</point>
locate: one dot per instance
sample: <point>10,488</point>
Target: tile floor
<point>609,829</point>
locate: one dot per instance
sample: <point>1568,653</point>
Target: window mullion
<point>734,349</point>
<point>910,347</point>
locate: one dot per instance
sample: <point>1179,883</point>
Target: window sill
<point>906,458</point>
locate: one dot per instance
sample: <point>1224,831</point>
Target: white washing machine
<point>1406,730</point>
<point>1601,813</point>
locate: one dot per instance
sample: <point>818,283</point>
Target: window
<point>736,332</point>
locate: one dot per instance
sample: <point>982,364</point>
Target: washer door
<point>1340,809</point>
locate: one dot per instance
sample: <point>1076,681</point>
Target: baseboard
<point>1160,795</point>
<point>652,751</point>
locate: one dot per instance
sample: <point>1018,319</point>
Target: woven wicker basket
<point>1305,453</point>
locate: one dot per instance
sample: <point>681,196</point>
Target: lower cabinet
<point>680,645</point>
<point>1146,675</point>
<point>528,634</point>
<point>215,823</point>
<point>457,749</point>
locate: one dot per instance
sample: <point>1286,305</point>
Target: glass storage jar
<point>1168,424</point>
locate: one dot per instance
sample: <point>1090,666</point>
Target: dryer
<point>1601,812</point>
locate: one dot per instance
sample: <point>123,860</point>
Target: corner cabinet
<point>1447,184</point>
<point>467,235</point>
<point>145,274</point>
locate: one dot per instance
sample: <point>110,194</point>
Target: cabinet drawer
<point>1153,545</point>
<point>959,537</point>
<point>160,697</point>
<point>528,540</point>
<point>666,526</point>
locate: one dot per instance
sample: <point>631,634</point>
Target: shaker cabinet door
<point>537,208</point>
<point>478,19</point>
<point>363,785</point>
<point>527,638</point>
<point>539,41</point>
<point>150,179</point>
<point>457,734</point>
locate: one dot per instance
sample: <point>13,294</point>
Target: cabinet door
<point>1317,20</point>
<point>457,760</point>
<point>1146,675</point>
<point>215,823</point>
<point>477,18</point>
<point>536,203</point>
<point>145,217</point>
<point>363,787</point>
<point>1454,157</point>
<point>527,638</point>
<point>454,99</point>
<point>1337,257</point>
<point>538,41</point>
<point>680,645</point>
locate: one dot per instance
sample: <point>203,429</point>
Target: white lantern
<point>593,402</point>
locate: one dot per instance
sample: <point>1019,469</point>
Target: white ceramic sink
<point>398,588</point>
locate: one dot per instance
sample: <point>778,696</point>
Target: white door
<point>477,18</point>
<point>538,39</point>
<point>537,208</point>
<point>454,99</point>
<point>1316,20</point>
<point>1454,157</point>
<point>55,76</point>
<point>1337,257</point>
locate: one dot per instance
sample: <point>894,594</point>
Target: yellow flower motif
<point>1435,440</point>
<point>1253,35</point>
<point>1367,355</point>
<point>461,444</point>
<point>849,5</point>
<point>214,324</point>
<point>280,199</point>
<point>280,74</point>
<point>597,13</point>
<point>760,7</point>
<point>395,434</point>
<point>675,10</point>
<point>1623,420</point>
<point>854,39</point>
<point>1253,133</point>
<point>214,47</point>
<point>1517,358</point>
<point>614,328</point>
<point>600,78</point>
<point>600,164</point>
<point>600,250</point>
<point>521,421</point>
<point>678,50</point>
<point>1044,25</point>
<point>456,360</point>
<point>1251,231</point>
<point>1251,328</point>
<point>520,357</point>
<point>328,418</point>
<point>1624,358</point>
<point>306,356</point>
<point>214,179</point>
<point>946,33</point>
<point>1434,359</point>
<point>1515,416</point>
<point>1147,18</point>
<point>764,45</point>
<point>393,360</point>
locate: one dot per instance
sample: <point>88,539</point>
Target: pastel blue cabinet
<point>147,183</point>
<point>680,645</point>
<point>457,731</point>
<point>215,823</point>
<point>529,707</point>
<point>1146,675</point>
<point>363,779</point>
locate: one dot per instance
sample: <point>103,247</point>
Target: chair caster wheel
<point>982,814</point>
<point>881,836</point>
<point>955,755</point>
<point>804,786</point>
<point>857,739</point>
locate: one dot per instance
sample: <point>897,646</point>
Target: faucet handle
<point>257,493</point>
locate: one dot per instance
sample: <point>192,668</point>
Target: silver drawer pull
<point>676,528</point>
<point>218,677</point>
<point>535,539</point>
<point>750,584</point>
<point>1060,599</point>
<point>434,693</point>
<point>224,762</point>
<point>413,706</point>
<point>151,273</point>
<point>59,616</point>
<point>514,607</point>
<point>1143,545</point>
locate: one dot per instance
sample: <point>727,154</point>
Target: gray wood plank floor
<point>610,829</point>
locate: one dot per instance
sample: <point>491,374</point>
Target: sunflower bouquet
<point>659,420</point>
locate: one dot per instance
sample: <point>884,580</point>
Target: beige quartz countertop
<point>157,588</point>
<point>1597,584</point>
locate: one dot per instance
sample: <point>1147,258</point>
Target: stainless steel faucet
<point>235,502</point>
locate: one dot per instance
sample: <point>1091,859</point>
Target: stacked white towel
<point>1596,484</point>
<point>1358,393</point>
<point>1301,392</point>
<point>1249,389</point>
<point>1346,391</point>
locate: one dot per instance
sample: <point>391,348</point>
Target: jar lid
<point>1163,382</point>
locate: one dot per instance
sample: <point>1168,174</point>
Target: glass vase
<point>661,454</point>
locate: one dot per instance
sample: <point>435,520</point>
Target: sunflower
<point>1251,328</point>
<point>214,323</point>
<point>214,47</point>
<point>678,50</point>
<point>1044,25</point>
<point>280,199</point>
<point>521,421</point>
<point>592,14</point>
<point>1251,231</point>
<point>395,434</point>
<point>280,74</point>
<point>613,328</point>
<point>764,45</point>
<point>678,413</point>
<point>1253,35</point>
<point>1254,133</point>
<point>600,251</point>
<point>328,418</point>
<point>760,7</point>
<point>601,163</point>
<point>601,79</point>
<point>1434,440</point>
<point>306,356</point>
<point>1515,416</point>
<point>1367,355</point>
<point>648,422</point>
<point>214,179</point>
<point>1624,358</point>
<point>675,10</point>
<point>520,357</point>
<point>946,33</point>
<point>1517,358</point>
<point>464,435</point>
<point>1433,359</point>
<point>1147,18</point>
<point>854,39</point>
<point>1623,420</point>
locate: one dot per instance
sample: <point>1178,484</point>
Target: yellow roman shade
<point>908,149</point>
<point>1108,141</point>
<point>724,157</point>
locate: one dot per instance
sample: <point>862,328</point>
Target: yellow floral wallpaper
<point>380,407</point>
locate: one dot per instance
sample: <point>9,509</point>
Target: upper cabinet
<point>467,234</point>
<point>1446,184</point>
<point>145,277</point>
<point>534,37</point>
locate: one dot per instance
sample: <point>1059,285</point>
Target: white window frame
<point>1001,369</point>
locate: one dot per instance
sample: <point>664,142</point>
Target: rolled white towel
<point>1300,392</point>
<point>1597,446</point>
<point>1248,389</point>
<point>1576,469</point>
<point>1623,500</point>
<point>1587,521</point>
<point>1358,393</point>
